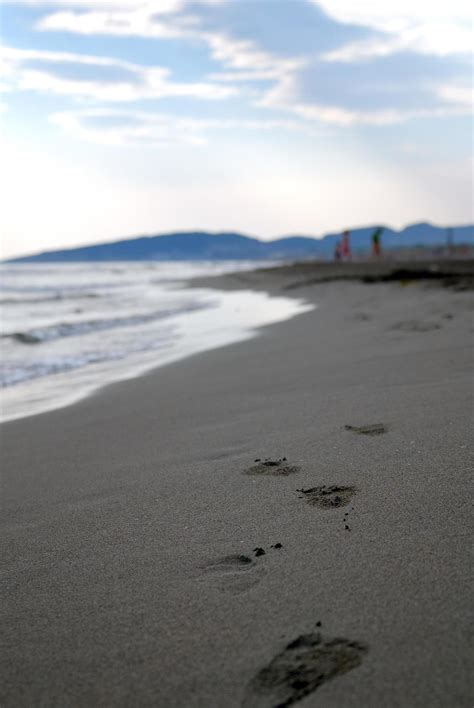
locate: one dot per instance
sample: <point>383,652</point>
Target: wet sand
<point>282,521</point>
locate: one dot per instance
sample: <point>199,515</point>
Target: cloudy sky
<point>271,117</point>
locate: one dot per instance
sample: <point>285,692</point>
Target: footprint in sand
<point>234,574</point>
<point>361,317</point>
<point>328,497</point>
<point>304,665</point>
<point>416,326</point>
<point>275,468</point>
<point>373,429</point>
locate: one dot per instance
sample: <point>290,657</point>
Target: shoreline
<point>124,514</point>
<point>276,281</point>
<point>234,317</point>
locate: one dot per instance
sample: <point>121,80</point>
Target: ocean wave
<point>58,297</point>
<point>13,373</point>
<point>75,329</point>
<point>62,289</point>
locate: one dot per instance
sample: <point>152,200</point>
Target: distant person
<point>345,245</point>
<point>450,241</point>
<point>376,246</point>
<point>337,251</point>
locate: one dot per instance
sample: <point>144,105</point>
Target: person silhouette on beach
<point>376,248</point>
<point>345,246</point>
<point>337,251</point>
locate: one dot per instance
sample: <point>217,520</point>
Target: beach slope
<point>282,520</point>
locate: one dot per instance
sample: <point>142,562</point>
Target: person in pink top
<point>345,246</point>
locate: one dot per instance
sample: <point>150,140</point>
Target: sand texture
<point>151,557</point>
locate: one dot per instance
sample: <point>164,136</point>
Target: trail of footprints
<point>312,659</point>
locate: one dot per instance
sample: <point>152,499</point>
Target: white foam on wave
<point>128,331</point>
<point>75,329</point>
<point>14,373</point>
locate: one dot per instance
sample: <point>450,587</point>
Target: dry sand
<point>131,519</point>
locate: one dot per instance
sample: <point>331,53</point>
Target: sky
<point>267,117</point>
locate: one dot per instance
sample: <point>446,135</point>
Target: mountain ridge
<point>229,245</point>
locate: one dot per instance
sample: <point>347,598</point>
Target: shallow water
<point>68,329</point>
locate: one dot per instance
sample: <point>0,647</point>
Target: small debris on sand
<point>373,429</point>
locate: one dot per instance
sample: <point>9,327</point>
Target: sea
<point>69,329</point>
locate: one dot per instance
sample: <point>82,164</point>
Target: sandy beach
<point>281,521</point>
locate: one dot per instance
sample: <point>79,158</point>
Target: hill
<point>233,246</point>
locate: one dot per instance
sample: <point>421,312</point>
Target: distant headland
<point>200,245</point>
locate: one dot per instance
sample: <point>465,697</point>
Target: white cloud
<point>120,128</point>
<point>424,26</point>
<point>367,49</point>
<point>287,95</point>
<point>246,56</point>
<point>149,18</point>
<point>241,59</point>
<point>396,15</point>
<point>144,20</point>
<point>346,117</point>
<point>157,5</point>
<point>137,21</point>
<point>401,26</point>
<point>137,82</point>
<point>138,128</point>
<point>459,95</point>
